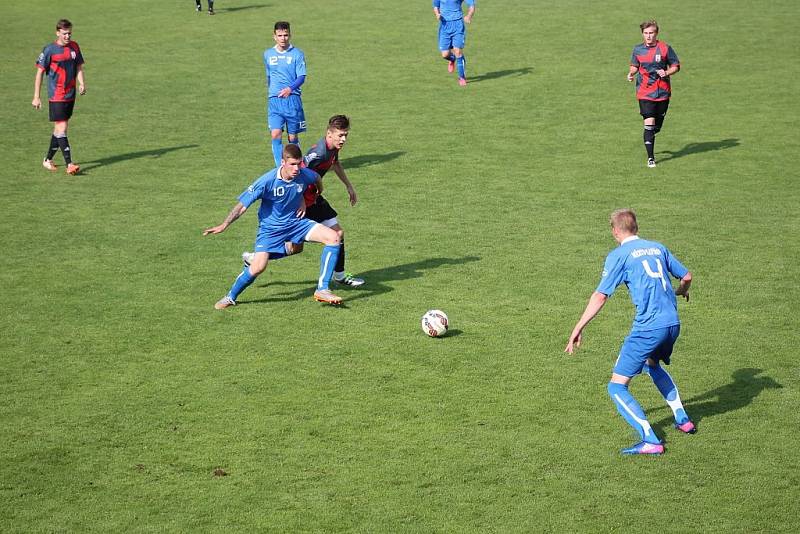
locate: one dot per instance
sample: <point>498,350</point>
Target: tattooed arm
<point>235,213</point>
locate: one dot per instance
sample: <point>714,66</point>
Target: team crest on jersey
<point>658,57</point>
<point>299,188</point>
<point>72,54</point>
<point>605,273</point>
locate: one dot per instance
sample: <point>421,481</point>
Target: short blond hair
<point>624,219</point>
<point>646,24</point>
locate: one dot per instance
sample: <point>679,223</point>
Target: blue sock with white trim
<point>327,262</point>
<point>241,283</point>
<point>277,151</point>
<point>461,65</point>
<point>666,386</point>
<point>632,412</point>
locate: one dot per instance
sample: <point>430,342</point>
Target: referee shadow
<point>367,160</point>
<point>698,148</point>
<point>378,281</point>
<point>154,153</point>
<point>500,74</point>
<point>746,386</point>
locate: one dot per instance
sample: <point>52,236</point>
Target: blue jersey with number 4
<point>644,267</point>
<point>283,68</point>
<point>451,9</point>
<point>279,199</point>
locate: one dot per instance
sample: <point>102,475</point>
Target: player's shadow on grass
<point>501,74</point>
<point>746,386</point>
<point>154,153</point>
<point>698,148</point>
<point>377,281</point>
<point>367,160</point>
<point>239,8</point>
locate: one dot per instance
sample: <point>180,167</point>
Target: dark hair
<point>339,122</point>
<point>647,24</point>
<point>291,151</point>
<point>282,25</point>
<point>63,24</point>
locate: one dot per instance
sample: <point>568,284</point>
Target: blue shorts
<point>286,112</point>
<point>273,239</point>
<point>638,346</point>
<point>452,34</point>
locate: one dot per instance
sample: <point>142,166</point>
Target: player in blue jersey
<point>62,63</point>
<point>321,157</point>
<point>286,72</point>
<point>644,267</point>
<point>452,33</point>
<point>280,220</point>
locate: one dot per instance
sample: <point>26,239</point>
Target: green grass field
<point>129,404</point>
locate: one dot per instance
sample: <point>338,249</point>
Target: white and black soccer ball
<point>435,323</point>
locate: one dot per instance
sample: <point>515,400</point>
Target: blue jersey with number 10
<point>644,267</point>
<point>279,199</point>
<point>451,9</point>
<point>283,68</point>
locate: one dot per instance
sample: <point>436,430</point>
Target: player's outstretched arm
<point>235,213</point>
<point>683,288</point>
<point>351,191</point>
<point>596,303</point>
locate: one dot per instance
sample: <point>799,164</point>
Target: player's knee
<point>332,237</point>
<point>293,248</point>
<point>340,234</point>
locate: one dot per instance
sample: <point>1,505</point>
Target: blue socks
<point>241,283</point>
<point>461,63</point>
<point>632,412</point>
<point>277,151</point>
<point>669,391</point>
<point>327,261</point>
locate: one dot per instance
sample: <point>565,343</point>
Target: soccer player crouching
<point>644,267</point>
<point>280,219</point>
<point>320,158</point>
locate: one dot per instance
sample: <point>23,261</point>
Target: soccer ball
<point>435,323</point>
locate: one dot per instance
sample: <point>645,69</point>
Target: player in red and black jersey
<point>320,158</point>
<point>62,62</point>
<point>652,63</point>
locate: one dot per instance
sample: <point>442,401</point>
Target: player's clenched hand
<point>630,77</point>
<point>215,229</point>
<point>573,343</point>
<point>353,196</point>
<point>682,293</point>
<point>36,102</point>
<point>82,89</point>
<point>283,93</point>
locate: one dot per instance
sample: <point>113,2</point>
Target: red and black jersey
<point>319,159</point>
<point>650,59</point>
<point>60,64</point>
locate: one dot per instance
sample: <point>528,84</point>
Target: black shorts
<point>653,109</point>
<point>320,211</point>
<point>61,111</point>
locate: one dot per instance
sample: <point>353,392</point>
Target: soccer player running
<point>286,72</point>
<point>62,62</point>
<point>323,156</point>
<point>652,63</point>
<point>280,219</point>
<point>644,267</point>
<point>452,33</point>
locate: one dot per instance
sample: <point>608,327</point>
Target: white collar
<point>629,238</point>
